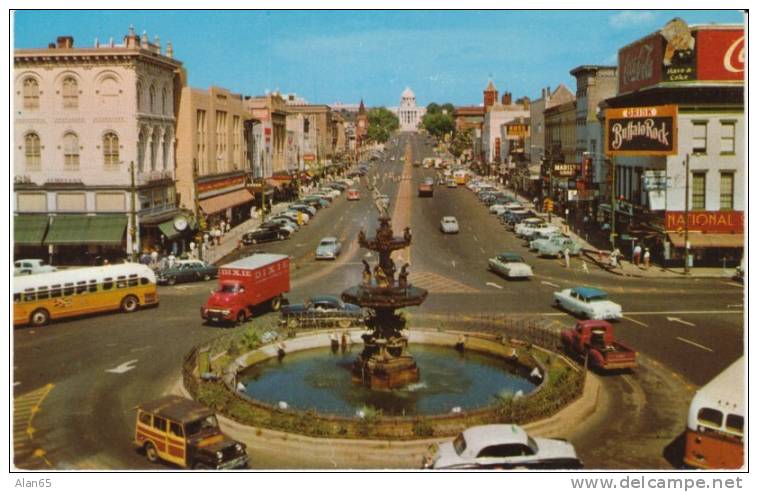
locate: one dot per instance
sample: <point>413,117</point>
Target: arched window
<point>32,151</point>
<point>71,152</point>
<point>164,102</point>
<point>153,150</point>
<point>110,150</point>
<point>70,93</point>
<point>152,99</point>
<point>31,93</point>
<point>139,96</point>
<point>166,151</point>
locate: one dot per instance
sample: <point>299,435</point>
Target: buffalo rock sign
<point>642,131</point>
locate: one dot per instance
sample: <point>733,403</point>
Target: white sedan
<point>501,446</point>
<point>510,265</point>
<point>449,225</point>
<point>530,222</point>
<point>587,302</point>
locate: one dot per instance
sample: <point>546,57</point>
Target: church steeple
<point>361,108</point>
<point>490,95</point>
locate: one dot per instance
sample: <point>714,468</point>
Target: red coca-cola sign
<point>640,64</point>
<point>702,221</point>
<point>720,54</point>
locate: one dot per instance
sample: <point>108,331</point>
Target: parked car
<point>587,302</point>
<point>315,201</point>
<point>498,208</point>
<point>556,246</point>
<point>331,192</point>
<point>353,194</point>
<point>328,249</point>
<point>595,340</point>
<point>501,446</point>
<point>30,267</point>
<point>283,223</point>
<point>302,207</point>
<point>449,225</point>
<point>543,229</point>
<point>322,311</point>
<point>510,265</point>
<point>186,271</point>
<point>264,234</point>
<point>530,222</point>
<point>337,185</point>
<point>451,183</point>
<point>323,195</point>
<point>293,215</point>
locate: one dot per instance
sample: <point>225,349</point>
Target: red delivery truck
<point>246,283</point>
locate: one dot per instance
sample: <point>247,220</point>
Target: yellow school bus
<point>37,299</point>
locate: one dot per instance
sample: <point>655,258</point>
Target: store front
<point>86,239</point>
<point>28,233</point>
<point>225,199</point>
<point>716,239</point>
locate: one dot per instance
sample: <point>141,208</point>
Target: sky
<point>343,56</point>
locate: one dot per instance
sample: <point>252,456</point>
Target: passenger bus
<point>37,299</point>
<point>715,424</point>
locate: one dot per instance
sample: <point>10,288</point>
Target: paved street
<point>85,416</point>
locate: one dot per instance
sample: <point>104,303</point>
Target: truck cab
<point>594,339</point>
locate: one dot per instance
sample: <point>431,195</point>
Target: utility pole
<point>196,201</point>
<point>613,202</point>
<point>133,212</point>
<point>686,214</point>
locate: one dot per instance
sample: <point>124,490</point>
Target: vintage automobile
<point>328,249</point>
<point>510,265</point>
<point>30,267</point>
<point>185,433</point>
<point>331,192</point>
<point>556,246</point>
<point>264,234</point>
<point>353,194</point>
<point>595,341</point>
<point>527,222</point>
<point>587,302</point>
<point>321,311</point>
<point>303,207</point>
<point>451,183</point>
<point>186,271</point>
<point>501,446</point>
<point>293,215</point>
<point>449,225</point>
<point>529,228</point>
<point>282,222</point>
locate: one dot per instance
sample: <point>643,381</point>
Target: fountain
<point>385,362</point>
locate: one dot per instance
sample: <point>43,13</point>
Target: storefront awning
<point>86,229</point>
<point>167,229</point>
<point>29,230</point>
<point>700,240</point>
<point>221,202</point>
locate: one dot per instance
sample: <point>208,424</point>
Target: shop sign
<point>564,170</point>
<point>642,131</point>
<point>720,54</point>
<point>679,55</point>
<point>654,180</point>
<point>706,221</point>
<point>515,132</point>
<point>309,157</point>
<point>640,64</point>
<point>497,149</point>
<point>220,184</point>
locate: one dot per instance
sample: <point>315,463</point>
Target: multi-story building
<point>318,132</point>
<point>698,146</point>
<point>548,99</point>
<point>213,154</point>
<point>361,129</point>
<point>271,110</point>
<point>408,112</point>
<point>560,150</point>
<point>84,118</point>
<point>494,118</point>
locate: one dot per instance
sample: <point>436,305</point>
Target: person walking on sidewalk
<point>646,258</point>
<point>567,257</point>
<point>637,255</point>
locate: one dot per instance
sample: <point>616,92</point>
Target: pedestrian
<point>646,258</point>
<point>154,258</point>
<point>567,257</point>
<point>171,260</point>
<point>617,255</point>
<point>222,227</point>
<point>637,255</point>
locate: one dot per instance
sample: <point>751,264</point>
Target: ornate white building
<point>82,116</point>
<point>408,113</point>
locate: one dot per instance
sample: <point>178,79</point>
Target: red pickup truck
<point>425,189</point>
<point>594,339</point>
<point>246,283</point>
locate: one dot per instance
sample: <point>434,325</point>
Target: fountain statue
<point>385,362</point>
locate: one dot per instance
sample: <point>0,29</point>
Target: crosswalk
<point>439,284</point>
<point>27,454</point>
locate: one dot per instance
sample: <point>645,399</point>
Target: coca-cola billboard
<point>640,64</point>
<point>721,54</point>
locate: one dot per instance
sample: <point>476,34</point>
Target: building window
<point>164,105</point>
<point>201,136</point>
<point>139,96</point>
<point>151,99</point>
<point>220,140</point>
<point>70,93</point>
<point>141,151</point>
<point>154,150</point>
<point>698,191</point>
<point>71,152</point>
<point>110,150</point>
<point>31,93</point>
<point>727,137</point>
<point>236,137</point>
<point>727,190</point>
<point>32,152</point>
<point>699,137</point>
<point>166,148</point>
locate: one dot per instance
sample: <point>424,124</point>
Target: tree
<point>461,142</point>
<point>439,119</point>
<point>381,123</point>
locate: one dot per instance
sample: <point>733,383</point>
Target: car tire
<point>151,453</point>
<point>129,304</point>
<point>276,303</point>
<point>199,465</point>
<point>40,317</point>
<point>253,241</point>
<point>206,276</point>
<point>171,281</point>
<point>241,317</point>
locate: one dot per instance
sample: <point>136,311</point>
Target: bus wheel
<point>129,304</point>
<point>276,303</point>
<point>151,453</point>
<point>40,317</point>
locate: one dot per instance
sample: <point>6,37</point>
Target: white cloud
<point>631,18</point>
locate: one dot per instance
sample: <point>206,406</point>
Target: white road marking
<point>635,321</point>
<point>453,262</point>
<point>475,238</point>
<point>493,284</point>
<point>551,284</point>
<point>695,344</point>
<point>734,284</point>
<point>680,320</point>
<point>482,249</point>
<point>734,305</point>
<point>122,368</point>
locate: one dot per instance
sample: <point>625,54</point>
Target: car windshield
<point>459,444</point>
<point>228,288</point>
<point>327,242</point>
<point>532,445</point>
<point>209,423</point>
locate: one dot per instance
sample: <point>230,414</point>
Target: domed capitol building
<point>408,113</point>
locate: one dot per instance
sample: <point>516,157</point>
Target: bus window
<point>68,289</point>
<point>92,286</point>
<point>121,282</point>
<point>29,295</point>
<point>16,297</point>
<point>144,281</point>
<point>108,283</point>
<point>710,417</point>
<point>55,290</point>
<point>735,423</point>
<point>42,293</point>
<point>133,280</point>
<point>81,287</point>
